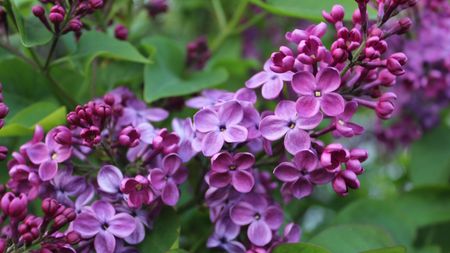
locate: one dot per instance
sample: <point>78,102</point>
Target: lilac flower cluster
<point>65,17</point>
<point>317,91</point>
<point>111,167</point>
<point>425,87</point>
<point>4,110</point>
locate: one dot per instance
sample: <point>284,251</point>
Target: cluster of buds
<point>3,113</point>
<point>66,18</point>
<point>197,53</point>
<point>156,7</point>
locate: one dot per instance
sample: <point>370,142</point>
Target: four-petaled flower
<point>138,190</point>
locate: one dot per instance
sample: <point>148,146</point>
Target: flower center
<point>273,77</point>
<point>105,226</point>
<point>257,216</point>
<point>291,125</point>
<point>54,156</point>
<point>317,93</point>
<point>232,167</point>
<point>341,122</point>
<point>222,128</point>
<point>138,187</point>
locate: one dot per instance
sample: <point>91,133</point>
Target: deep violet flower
<point>261,217</point>
<point>224,236</point>
<point>105,224</point>
<point>220,127</point>
<point>47,155</point>
<point>229,169</point>
<point>138,190</point>
<point>286,121</point>
<point>167,178</point>
<point>271,82</point>
<point>318,92</point>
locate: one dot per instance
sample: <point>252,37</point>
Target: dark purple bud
<point>109,99</point>
<point>129,137</point>
<point>3,110</point>
<point>336,14</point>
<point>197,53</point>
<point>57,14</point>
<point>395,63</point>
<point>73,237</point>
<point>59,222</point>
<point>3,245</point>
<point>121,32</point>
<point>50,207</point>
<point>72,118</point>
<point>14,206</point>
<point>91,136</point>
<point>38,11</point>
<point>385,105</point>
<point>103,110</point>
<point>3,153</point>
<point>96,4</point>
<point>156,7</point>
<point>283,60</point>
<point>386,78</point>
<point>75,25</point>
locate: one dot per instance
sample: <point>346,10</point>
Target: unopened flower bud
<point>73,237</point>
<point>109,99</point>
<point>395,63</point>
<point>57,14</point>
<point>283,60</point>
<point>3,245</point>
<point>386,78</point>
<point>3,110</point>
<point>50,207</point>
<point>38,11</point>
<point>96,4</point>
<point>121,32</point>
<point>385,105</point>
<point>129,137</point>
<point>336,14</point>
<point>14,206</point>
<point>75,25</point>
<point>3,153</point>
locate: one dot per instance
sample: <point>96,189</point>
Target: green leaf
<point>387,250</point>
<point>46,114</point>
<point>430,162</point>
<point>168,78</point>
<point>177,251</point>
<point>32,31</point>
<point>352,238</point>
<point>307,9</point>
<point>164,234</point>
<point>300,248</point>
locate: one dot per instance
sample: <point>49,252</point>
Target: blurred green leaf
<point>177,251</point>
<point>430,162</point>
<point>352,238</point>
<point>167,76</point>
<point>164,234</point>
<point>307,9</point>
<point>300,248</point>
<point>387,250</point>
<point>32,31</point>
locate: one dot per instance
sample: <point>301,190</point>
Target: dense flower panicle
<point>4,110</point>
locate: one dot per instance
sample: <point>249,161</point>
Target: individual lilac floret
<point>318,92</point>
<point>138,190</point>
<point>109,179</point>
<point>47,155</point>
<point>105,224</point>
<point>286,121</point>
<point>271,82</point>
<point>342,121</point>
<point>235,169</point>
<point>168,178</point>
<point>224,236</point>
<point>220,127</point>
<point>261,217</point>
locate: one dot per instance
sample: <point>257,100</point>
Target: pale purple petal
<point>104,242</point>
<point>62,153</point>
<point>231,113</point>
<point>309,123</point>
<point>273,216</point>
<point>272,88</point>
<point>243,181</point>
<point>157,178</point>
<point>87,225</point>
<point>242,213</point>
<point>48,170</point>
<point>206,120</point>
<point>235,134</point>
<point>304,83</point>
<point>273,128</point>
<point>286,110</point>
<point>286,172</point>
<point>257,80</point>
<point>156,114</point>
<point>297,140</point>
<point>350,109</point>
<point>109,178</point>
<point>171,163</point>
<point>328,80</point>
<point>307,106</point>
<point>234,247</point>
<point>138,234</point>
<point>122,225</point>
<point>104,211</point>
<point>212,143</point>
<point>219,180</point>
<point>170,193</point>
<point>332,104</point>
<point>259,233</point>
<point>38,153</point>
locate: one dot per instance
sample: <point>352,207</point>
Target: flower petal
<point>212,143</point>
<point>170,194</point>
<point>48,170</point>
<point>38,153</point>
<point>286,172</point>
<point>244,160</point>
<point>273,217</point>
<point>297,140</point>
<point>157,178</point>
<point>242,213</point>
<point>286,110</point>
<point>86,224</point>
<point>235,134</point>
<point>301,188</point>
<point>272,88</point>
<point>273,128</point>
<point>104,211</point>
<point>138,234</point>
<point>306,159</point>
<point>259,233</point>
<point>332,104</point>
<point>122,225</point>
<point>206,120</point>
<point>171,163</point>
<point>257,80</point>
<point>221,162</point>
<point>243,181</point>
<point>307,106</point>
<point>219,180</point>
<point>304,83</point>
<point>109,178</point>
<point>231,113</point>
<point>328,80</point>
<point>309,123</point>
<point>104,242</point>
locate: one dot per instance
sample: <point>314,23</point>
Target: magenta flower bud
<point>156,7</point>
<point>109,99</point>
<point>404,25</point>
<point>359,153</point>
<point>343,181</point>
<point>386,78</point>
<point>3,153</point>
<point>38,11</point>
<point>197,53</point>
<point>339,55</point>
<point>103,110</point>
<point>14,207</point>
<point>282,61</point>
<point>73,237</point>
<point>121,32</point>
<point>3,110</point>
<point>72,118</point>
<point>59,222</point>
<point>62,135</point>
<point>96,4</point>
<point>70,214</point>
<point>356,17</point>
<point>3,245</point>
<point>336,14</point>
<point>75,25</point>
<point>50,207</point>
<point>57,14</point>
<point>385,105</point>
<point>333,155</point>
<point>395,63</point>
<point>91,136</point>
<point>27,238</point>
<point>129,137</point>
